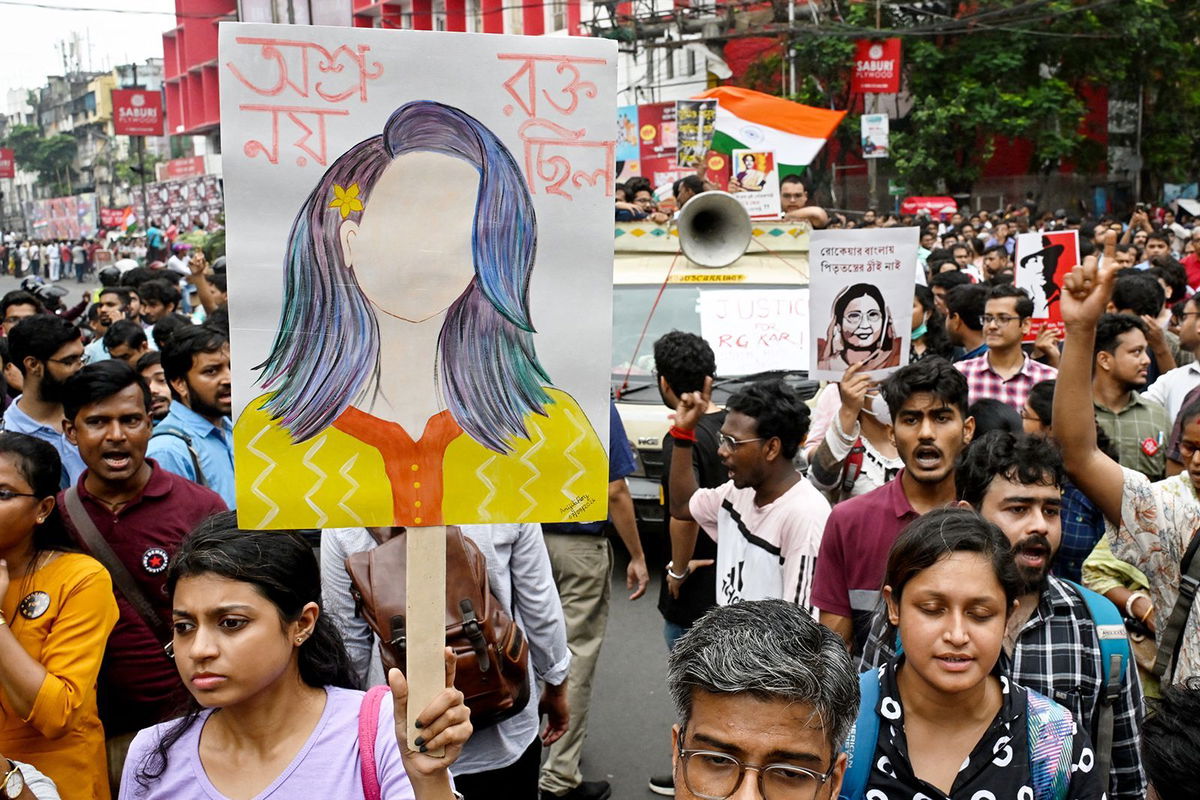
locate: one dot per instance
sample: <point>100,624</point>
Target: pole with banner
<point>138,113</point>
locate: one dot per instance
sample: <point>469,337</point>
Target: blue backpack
<point>1050,740</point>
<point>1049,724</point>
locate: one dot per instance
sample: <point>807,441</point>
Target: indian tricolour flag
<point>755,121</point>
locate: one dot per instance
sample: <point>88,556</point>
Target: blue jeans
<point>672,632</point>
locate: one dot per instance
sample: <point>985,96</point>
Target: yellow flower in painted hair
<point>346,200</point>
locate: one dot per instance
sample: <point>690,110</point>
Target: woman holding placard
<point>276,711</point>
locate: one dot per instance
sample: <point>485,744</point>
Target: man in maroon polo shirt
<point>143,512</point>
<point>930,427</point>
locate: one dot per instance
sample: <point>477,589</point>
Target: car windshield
<point>638,307</point>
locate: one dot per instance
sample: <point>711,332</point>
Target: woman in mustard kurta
<point>403,384</point>
<point>57,609</point>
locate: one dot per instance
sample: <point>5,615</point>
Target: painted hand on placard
<point>445,723</point>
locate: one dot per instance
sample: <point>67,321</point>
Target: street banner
<point>8,163</point>
<point>755,173</point>
<point>72,217</point>
<point>876,66</point>
<point>694,120</point>
<point>178,168</point>
<point>413,248</point>
<point>187,202</point>
<point>716,169</point>
<point>628,143</point>
<point>874,135</point>
<point>119,218</point>
<point>1043,260</point>
<point>137,112</point>
<point>861,284</point>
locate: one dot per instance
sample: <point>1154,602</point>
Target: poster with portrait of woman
<point>755,171</point>
<point>415,222</point>
<point>861,296</point>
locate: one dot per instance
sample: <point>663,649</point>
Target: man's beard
<point>202,407</point>
<point>1033,579</point>
<point>50,390</point>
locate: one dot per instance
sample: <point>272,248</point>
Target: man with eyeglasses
<point>16,306</point>
<point>768,519</point>
<point>143,512</point>
<point>1005,372</point>
<point>47,350</point>
<point>793,197</point>
<point>764,698</point>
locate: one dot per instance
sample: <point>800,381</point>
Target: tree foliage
<point>51,158</point>
<point>981,73</point>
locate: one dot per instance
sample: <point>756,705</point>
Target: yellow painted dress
<point>363,470</point>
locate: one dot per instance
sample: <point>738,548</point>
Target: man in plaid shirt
<point>1137,426</point>
<point>1005,372</point>
<point>1015,482</point>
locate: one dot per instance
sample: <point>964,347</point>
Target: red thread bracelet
<point>679,433</point>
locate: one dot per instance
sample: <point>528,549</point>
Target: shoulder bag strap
<point>1115,656</point>
<point>1170,637</point>
<point>187,440</point>
<point>368,727</point>
<point>91,538</point>
<point>860,746</point>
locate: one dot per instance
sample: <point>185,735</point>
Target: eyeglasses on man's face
<point>717,776</point>
<point>998,319</point>
<point>730,443</point>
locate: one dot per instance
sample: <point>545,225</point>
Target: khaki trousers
<point>582,566</point>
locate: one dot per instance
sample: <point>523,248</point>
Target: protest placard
<point>1043,260</point>
<point>416,219</point>
<point>861,284</point>
<point>755,173</point>
<point>694,120</point>
<point>753,331</point>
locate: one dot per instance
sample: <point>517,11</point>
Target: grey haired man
<point>762,690</point>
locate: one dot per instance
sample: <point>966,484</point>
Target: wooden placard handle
<point>425,622</point>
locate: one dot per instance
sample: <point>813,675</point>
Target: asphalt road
<point>629,730</point>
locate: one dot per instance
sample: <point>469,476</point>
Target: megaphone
<point>714,229</point>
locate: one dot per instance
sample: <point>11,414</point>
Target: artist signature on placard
<point>576,507</point>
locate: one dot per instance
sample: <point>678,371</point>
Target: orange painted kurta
<point>62,616</point>
<point>414,468</point>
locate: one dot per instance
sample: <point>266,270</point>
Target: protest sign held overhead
<point>694,120</point>
<point>1043,260</point>
<point>861,288</point>
<point>755,173</point>
<point>395,362</point>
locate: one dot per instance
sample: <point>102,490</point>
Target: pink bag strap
<point>368,727</point>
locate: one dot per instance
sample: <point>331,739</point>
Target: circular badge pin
<point>1150,446</point>
<point>155,560</point>
<point>34,605</point>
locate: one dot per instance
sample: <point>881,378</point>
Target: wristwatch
<point>13,784</point>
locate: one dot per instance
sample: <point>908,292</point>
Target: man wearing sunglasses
<point>47,350</point>
<point>768,520</point>
<point>762,694</point>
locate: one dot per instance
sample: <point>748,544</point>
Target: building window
<point>439,15</point>
<point>670,64</point>
<point>558,15</point>
<point>474,17</point>
<point>691,62</point>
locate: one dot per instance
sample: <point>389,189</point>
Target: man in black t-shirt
<point>683,361</point>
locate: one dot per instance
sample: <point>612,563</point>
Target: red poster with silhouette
<point>1042,261</point>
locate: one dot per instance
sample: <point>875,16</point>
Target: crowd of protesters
<point>979,566</point>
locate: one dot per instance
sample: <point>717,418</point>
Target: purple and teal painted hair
<point>327,350</point>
